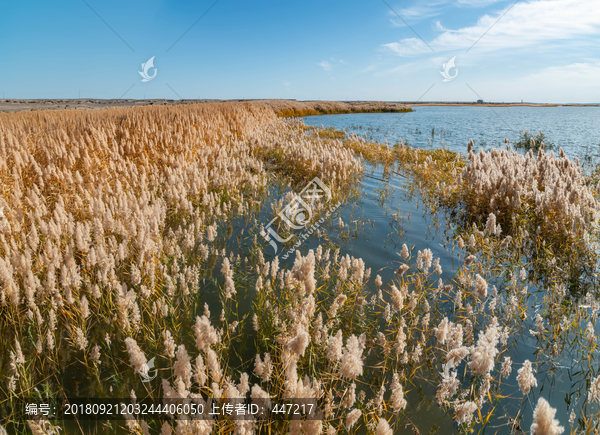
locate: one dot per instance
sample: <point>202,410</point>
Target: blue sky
<point>537,50</point>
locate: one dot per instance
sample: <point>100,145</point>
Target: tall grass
<point>131,233</point>
<point>290,108</point>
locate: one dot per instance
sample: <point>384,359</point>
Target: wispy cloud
<point>329,65</point>
<point>407,47</point>
<point>477,3</point>
<point>424,9</point>
<point>325,65</point>
<point>583,74</point>
<point>575,82</point>
<point>441,28</point>
<point>419,11</point>
<point>525,24</point>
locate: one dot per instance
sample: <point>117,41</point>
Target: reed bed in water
<point>113,220</point>
<point>290,108</point>
<point>110,218</point>
<point>532,218</point>
<point>507,193</point>
<point>528,218</point>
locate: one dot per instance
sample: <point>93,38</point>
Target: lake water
<point>575,129</point>
<point>401,220</point>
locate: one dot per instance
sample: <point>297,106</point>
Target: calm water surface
<point>403,220</point>
<point>575,129</point>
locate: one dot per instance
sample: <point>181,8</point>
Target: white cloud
<point>583,76</point>
<point>328,66</point>
<point>476,3</point>
<point>407,47</point>
<point>439,26</point>
<point>573,83</point>
<point>325,65</point>
<point>524,24</point>
<point>424,9</point>
<point>416,12</point>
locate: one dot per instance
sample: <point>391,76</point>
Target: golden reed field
<point>130,243</point>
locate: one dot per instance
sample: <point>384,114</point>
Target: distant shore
<point>490,104</point>
<point>295,108</point>
<point>284,108</point>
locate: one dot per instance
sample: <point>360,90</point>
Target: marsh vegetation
<point>135,233</point>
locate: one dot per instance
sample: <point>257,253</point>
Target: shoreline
<point>506,104</point>
<point>285,108</point>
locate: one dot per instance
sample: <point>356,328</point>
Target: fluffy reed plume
<point>594,390</point>
<point>352,418</point>
<point>80,338</point>
<point>484,354</point>
<point>526,378</point>
<point>206,335</point>
<point>263,368</point>
<point>41,427</point>
<point>506,369</point>
<point>183,366</point>
<point>351,365</point>
<point>136,356</point>
<point>449,385</point>
<point>313,426</point>
<point>350,397</point>
<point>304,271</point>
<point>298,344</point>
<point>544,422</point>
<point>455,356</point>
<point>169,344</point>
<point>383,428</point>
<point>398,400</point>
<point>404,253</point>
<point>334,347</point>
<point>464,412</point>
<point>402,269</point>
<point>481,286</point>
